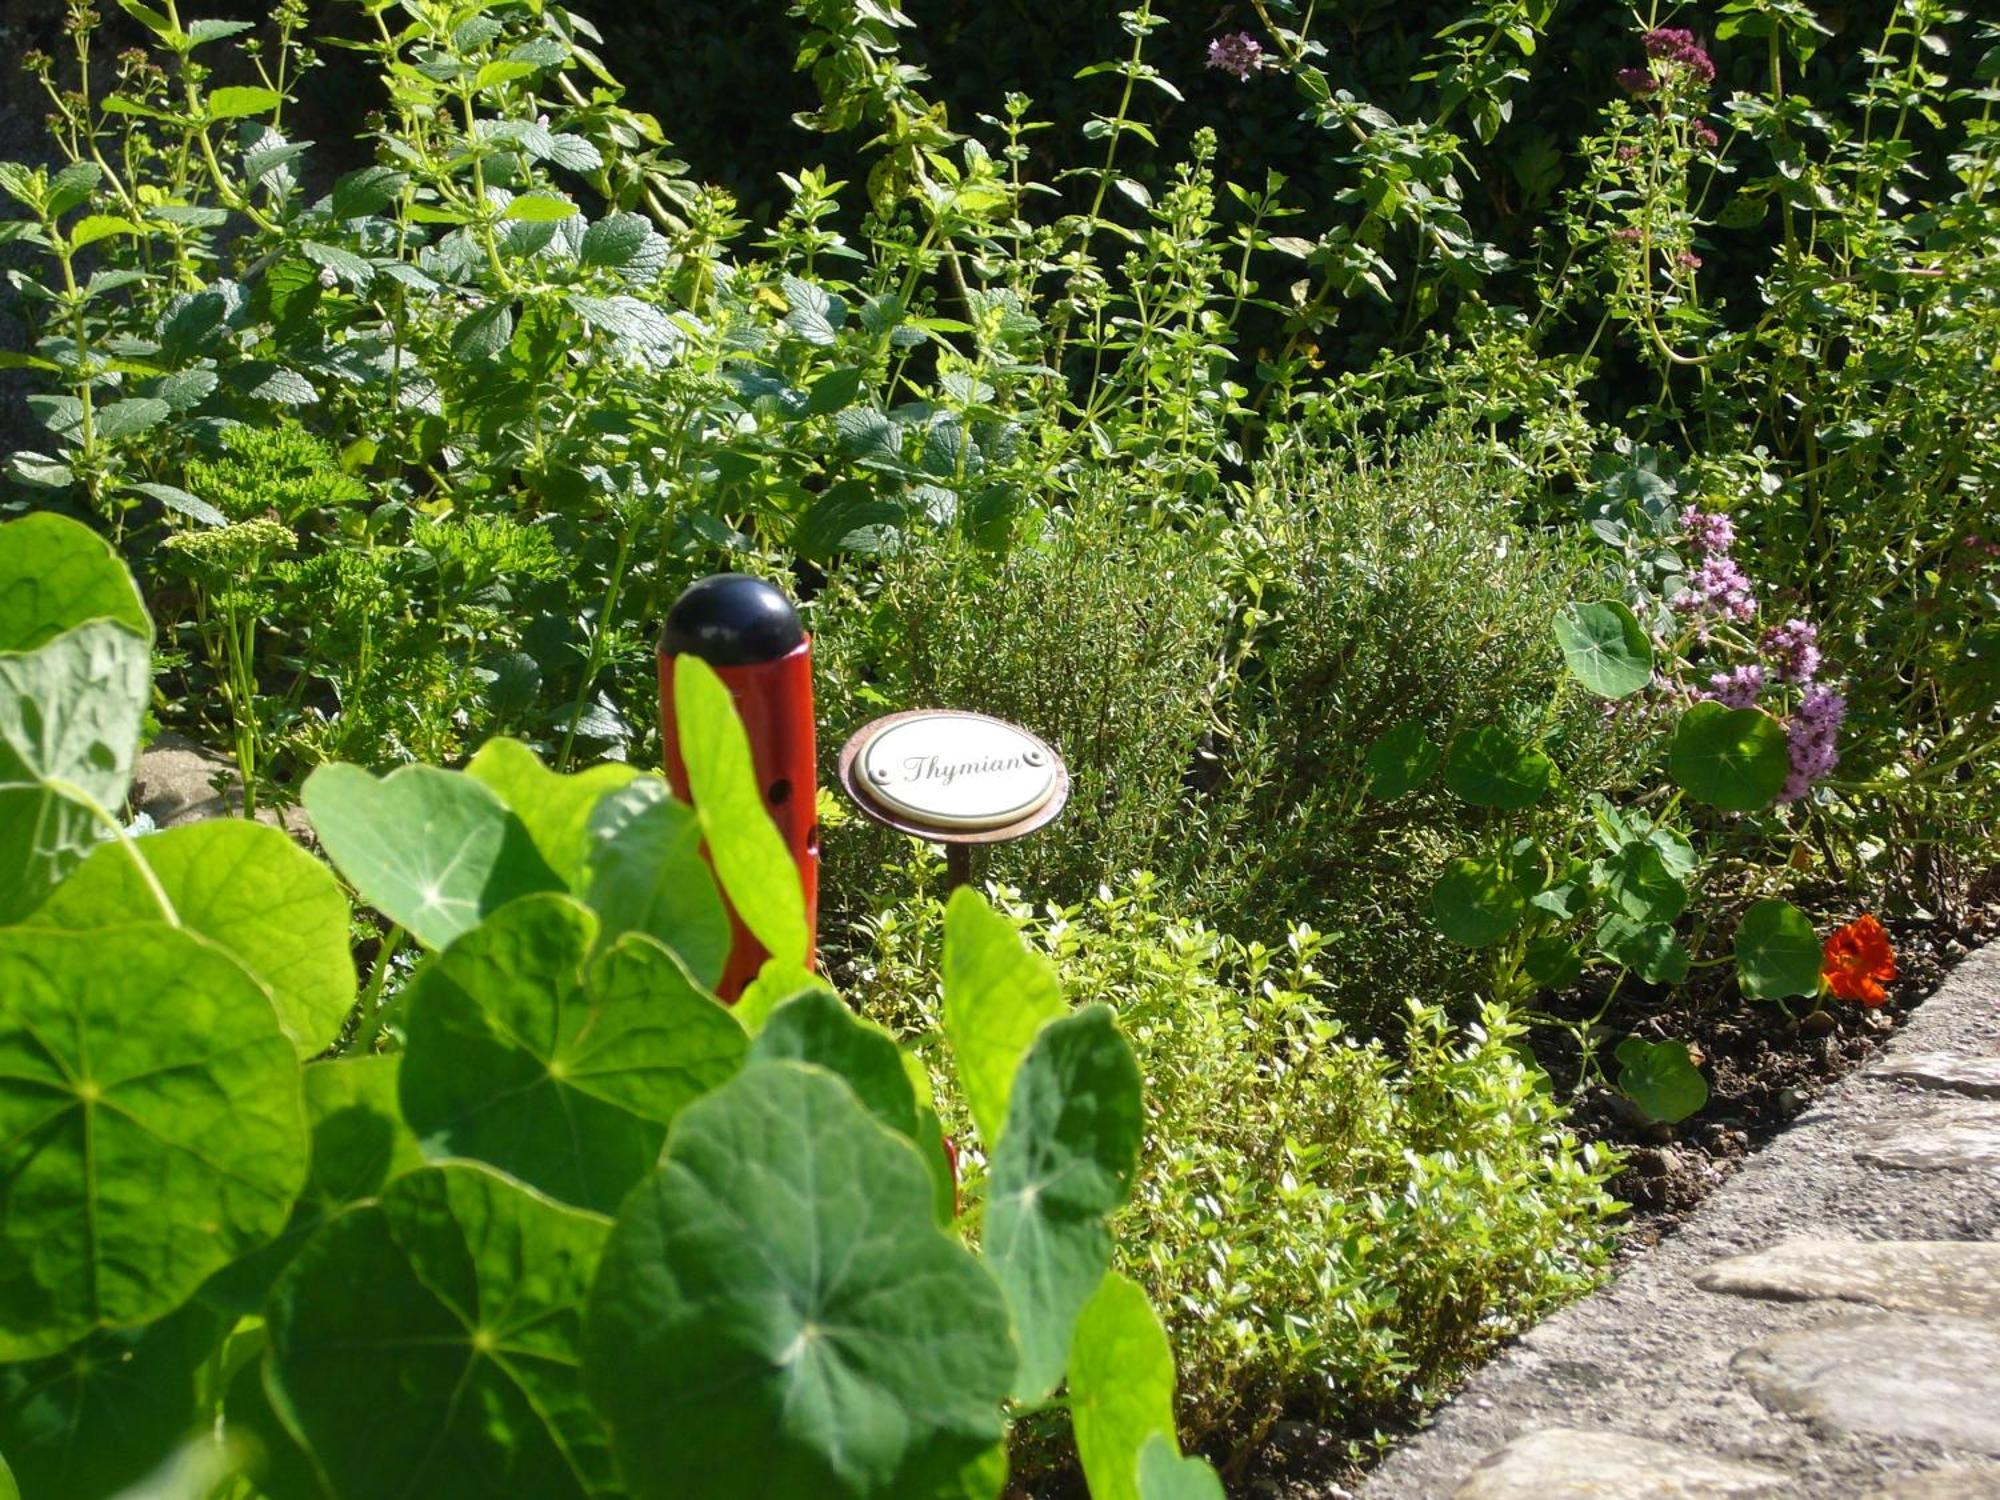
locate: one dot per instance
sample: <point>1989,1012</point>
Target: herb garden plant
<point>554,1223</point>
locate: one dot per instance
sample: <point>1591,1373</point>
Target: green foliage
<point>1777,954</point>
<point>1731,758</point>
<point>1605,648</point>
<point>1661,1078</point>
<point>1324,1228</point>
<point>214,1251</point>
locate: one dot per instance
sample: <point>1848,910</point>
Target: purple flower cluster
<point>1717,584</point>
<point>1676,44</point>
<point>1240,53</point>
<point>1795,645</point>
<point>1812,737</point>
<point>1737,688</point>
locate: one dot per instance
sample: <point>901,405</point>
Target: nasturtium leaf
<point>1165,1475</point>
<point>1637,882</point>
<point>1476,902</point>
<point>1553,963</point>
<point>70,713</point>
<point>778,1314</point>
<point>434,851</point>
<point>1676,853</point>
<point>150,1126</point>
<point>1661,1078</point>
<point>1489,767</point>
<point>359,1141</point>
<point>997,995</point>
<point>818,1028</point>
<point>1605,648</point>
<point>1648,949</point>
<point>1121,1386</point>
<point>55,574</point>
<point>247,888</point>
<point>776,983</point>
<point>1777,953</point>
<point>442,1322</point>
<point>1734,759</point>
<point>524,1051</point>
<point>555,809</point>
<point>1401,761</point>
<point>751,860</point>
<point>1063,1165</point>
<point>98,1416</point>
<point>281,1466</point>
<point>643,872</point>
<point>8,1489</point>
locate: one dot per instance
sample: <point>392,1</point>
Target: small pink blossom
<point>1239,53</point>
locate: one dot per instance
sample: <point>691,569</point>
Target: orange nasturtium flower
<point>1856,961</point>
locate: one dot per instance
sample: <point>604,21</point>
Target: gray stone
<point>1567,1463</point>
<point>1953,1277</point>
<point>1935,1144</point>
<point>1951,1071</point>
<point>178,781</point>
<point>1935,1380</point>
<point>1982,1483</point>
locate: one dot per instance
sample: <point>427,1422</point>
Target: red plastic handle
<point>775,701</point>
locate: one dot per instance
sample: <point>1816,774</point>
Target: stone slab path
<point>1826,1325</point>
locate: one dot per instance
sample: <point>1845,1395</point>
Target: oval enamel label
<point>957,770</point>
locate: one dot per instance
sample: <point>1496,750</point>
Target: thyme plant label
<point>957,771</point>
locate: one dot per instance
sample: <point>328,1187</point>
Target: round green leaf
<point>1639,884</point>
<point>1734,759</point>
<point>70,712</point>
<point>1063,1165</point>
<point>1165,1475</point>
<point>1401,761</point>
<point>778,1315</point>
<point>55,574</point>
<point>523,1051</point>
<point>1777,952</point>
<point>248,889</point>
<point>1476,902</point>
<point>1661,1078</point>
<point>434,851</point>
<point>106,1412</point>
<point>555,809</point>
<point>426,1344</point>
<point>1489,767</point>
<point>359,1141</point>
<point>815,1027</point>
<point>1121,1386</point>
<point>1648,949</point>
<point>1553,963</point>
<point>150,1127</point>
<point>644,873</point>
<point>751,860</point>
<point>1605,648</point>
